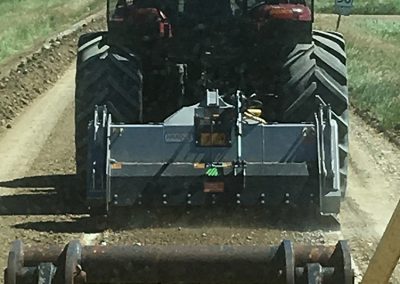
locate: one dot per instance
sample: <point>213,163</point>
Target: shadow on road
<point>40,195</point>
<point>46,195</point>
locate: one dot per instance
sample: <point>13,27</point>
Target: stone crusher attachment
<point>286,263</point>
<point>214,152</point>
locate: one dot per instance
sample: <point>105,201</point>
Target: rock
<point>47,46</point>
<point>249,238</point>
<point>2,85</point>
<point>8,126</point>
<point>138,244</point>
<point>204,235</point>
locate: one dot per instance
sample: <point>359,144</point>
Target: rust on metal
<point>285,263</point>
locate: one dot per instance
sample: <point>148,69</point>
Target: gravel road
<point>37,167</point>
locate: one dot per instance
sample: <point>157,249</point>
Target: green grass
<point>363,7</point>
<point>373,50</point>
<point>385,28</point>
<point>26,22</point>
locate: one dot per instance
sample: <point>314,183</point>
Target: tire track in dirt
<point>37,166</point>
<point>374,190</point>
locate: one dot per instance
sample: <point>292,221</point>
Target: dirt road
<point>37,161</point>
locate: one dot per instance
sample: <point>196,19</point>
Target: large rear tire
<point>318,69</point>
<point>108,76</point>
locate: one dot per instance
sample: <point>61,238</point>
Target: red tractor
<point>161,55</point>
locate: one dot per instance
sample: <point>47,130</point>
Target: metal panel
<point>166,144</point>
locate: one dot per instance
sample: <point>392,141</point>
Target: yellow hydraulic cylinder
<point>387,253</point>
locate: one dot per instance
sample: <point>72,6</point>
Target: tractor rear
<point>193,103</point>
<point>205,102</point>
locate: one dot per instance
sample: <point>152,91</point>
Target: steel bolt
<point>287,195</point>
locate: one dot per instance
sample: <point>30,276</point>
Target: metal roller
<point>75,263</point>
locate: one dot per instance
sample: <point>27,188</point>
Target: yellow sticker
<point>116,166</point>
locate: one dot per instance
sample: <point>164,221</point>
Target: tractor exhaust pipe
<point>179,264</point>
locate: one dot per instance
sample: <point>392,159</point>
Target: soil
<point>37,170</point>
<point>33,74</point>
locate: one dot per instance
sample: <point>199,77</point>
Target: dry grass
<point>373,49</point>
<point>27,22</point>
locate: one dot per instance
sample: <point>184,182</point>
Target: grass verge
<point>26,22</point>
<point>373,44</point>
<point>363,7</point>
